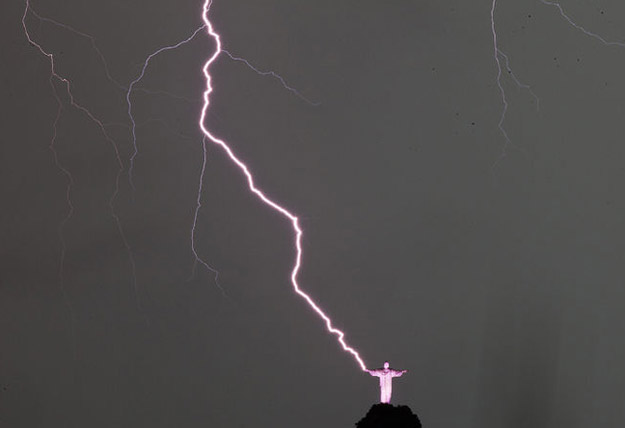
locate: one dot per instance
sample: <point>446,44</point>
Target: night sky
<point>493,271</point>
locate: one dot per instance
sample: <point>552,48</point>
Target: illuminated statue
<point>386,376</point>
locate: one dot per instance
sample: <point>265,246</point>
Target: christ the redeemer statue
<point>386,376</point>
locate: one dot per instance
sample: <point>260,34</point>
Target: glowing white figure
<point>386,376</point>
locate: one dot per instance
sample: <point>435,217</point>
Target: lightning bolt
<point>297,230</point>
<point>131,87</point>
<point>133,127</point>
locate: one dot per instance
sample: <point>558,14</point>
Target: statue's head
<point>386,365</point>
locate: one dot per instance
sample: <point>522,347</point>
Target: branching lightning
<point>502,62</point>
<point>497,54</point>
<point>197,258</point>
<point>87,36</point>
<point>129,92</point>
<point>68,215</point>
<point>131,87</point>
<point>517,82</point>
<point>196,213</point>
<point>135,153</point>
<point>502,92</point>
<point>579,27</point>
<point>207,136</point>
<point>260,194</point>
<point>105,66</point>
<point>64,81</point>
<point>269,73</point>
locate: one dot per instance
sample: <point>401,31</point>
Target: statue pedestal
<point>389,416</point>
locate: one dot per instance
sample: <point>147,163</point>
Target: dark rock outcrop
<point>389,416</point>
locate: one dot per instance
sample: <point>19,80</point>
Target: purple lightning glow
<point>266,200</point>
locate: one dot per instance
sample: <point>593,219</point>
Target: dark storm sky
<point>501,289</point>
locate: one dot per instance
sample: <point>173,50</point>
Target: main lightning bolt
<point>297,230</point>
<point>207,136</point>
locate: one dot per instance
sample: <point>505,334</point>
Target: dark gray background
<point>501,289</point>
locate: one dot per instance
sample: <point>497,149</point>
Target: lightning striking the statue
<point>260,194</point>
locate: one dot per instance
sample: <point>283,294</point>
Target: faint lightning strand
<point>198,206</point>
<point>128,93</point>
<point>134,126</point>
<point>66,173</point>
<point>580,28</point>
<point>87,36</point>
<point>272,74</point>
<point>519,84</point>
<point>68,216</point>
<point>252,186</point>
<point>107,72</point>
<point>504,110</point>
<point>100,125</point>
